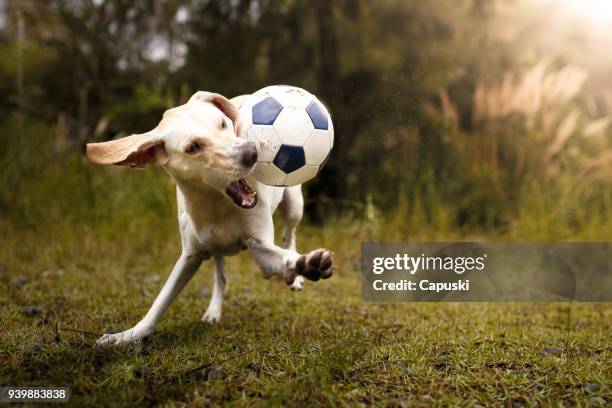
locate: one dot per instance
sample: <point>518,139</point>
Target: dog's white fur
<point>211,225</point>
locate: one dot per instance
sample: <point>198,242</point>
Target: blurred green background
<point>457,117</point>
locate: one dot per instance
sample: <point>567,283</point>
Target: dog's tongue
<point>242,194</point>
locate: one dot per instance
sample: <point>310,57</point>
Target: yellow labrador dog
<point>221,210</point>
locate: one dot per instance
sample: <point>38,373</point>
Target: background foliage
<point>457,114</point>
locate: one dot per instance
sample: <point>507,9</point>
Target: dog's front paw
<point>315,265</point>
<point>119,339</point>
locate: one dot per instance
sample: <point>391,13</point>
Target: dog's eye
<point>223,124</point>
<point>193,148</point>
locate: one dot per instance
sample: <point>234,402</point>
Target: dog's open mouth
<point>242,194</point>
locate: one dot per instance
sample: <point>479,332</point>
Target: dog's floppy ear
<point>221,102</point>
<point>138,151</point>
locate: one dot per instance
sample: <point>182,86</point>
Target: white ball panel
<point>266,140</point>
<point>265,92</point>
<point>317,147</point>
<point>331,132</point>
<point>269,173</point>
<point>301,175</point>
<point>290,96</point>
<point>293,126</point>
<point>295,98</point>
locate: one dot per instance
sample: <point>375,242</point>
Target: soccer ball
<point>293,133</point>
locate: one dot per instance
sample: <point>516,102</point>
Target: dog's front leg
<point>183,271</point>
<point>273,259</point>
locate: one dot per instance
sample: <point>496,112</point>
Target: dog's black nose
<point>248,152</point>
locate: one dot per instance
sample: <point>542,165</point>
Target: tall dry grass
<point>536,155</point>
<point>551,106</point>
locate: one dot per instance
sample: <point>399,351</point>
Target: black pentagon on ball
<point>265,112</point>
<point>289,158</point>
<point>317,115</point>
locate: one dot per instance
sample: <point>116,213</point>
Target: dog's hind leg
<point>213,313</point>
<point>292,210</point>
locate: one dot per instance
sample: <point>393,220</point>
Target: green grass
<point>322,346</point>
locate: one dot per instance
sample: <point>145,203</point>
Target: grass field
<point>320,347</point>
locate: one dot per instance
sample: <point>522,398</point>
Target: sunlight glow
<point>595,10</point>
